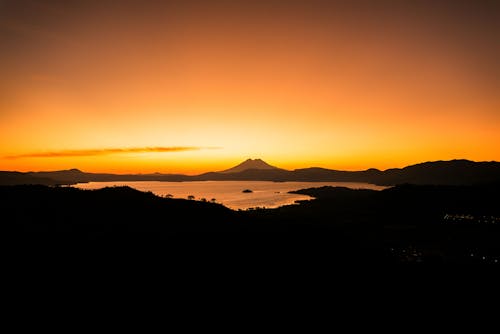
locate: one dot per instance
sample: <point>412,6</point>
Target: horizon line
<point>174,173</point>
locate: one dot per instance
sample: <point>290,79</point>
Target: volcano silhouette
<point>250,164</point>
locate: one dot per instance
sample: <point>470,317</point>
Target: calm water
<point>265,194</point>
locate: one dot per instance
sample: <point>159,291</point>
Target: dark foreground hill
<point>401,224</point>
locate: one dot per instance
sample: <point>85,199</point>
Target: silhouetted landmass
<point>251,164</point>
<point>413,222</point>
<point>13,178</point>
<point>407,223</point>
<point>248,175</point>
<point>73,176</point>
<point>455,172</point>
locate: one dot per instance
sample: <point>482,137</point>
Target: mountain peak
<point>75,170</point>
<point>250,164</point>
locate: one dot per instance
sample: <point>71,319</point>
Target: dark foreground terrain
<point>450,224</point>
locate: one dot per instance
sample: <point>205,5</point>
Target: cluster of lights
<point>484,258</point>
<point>471,218</point>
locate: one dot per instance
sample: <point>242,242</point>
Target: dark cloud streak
<point>107,151</point>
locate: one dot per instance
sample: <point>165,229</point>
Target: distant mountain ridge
<point>453,172</point>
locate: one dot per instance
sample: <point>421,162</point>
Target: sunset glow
<point>189,87</point>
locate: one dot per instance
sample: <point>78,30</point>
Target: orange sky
<point>188,87</point>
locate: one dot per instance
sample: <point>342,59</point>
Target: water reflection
<point>230,193</point>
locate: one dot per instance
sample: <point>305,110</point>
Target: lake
<point>230,193</point>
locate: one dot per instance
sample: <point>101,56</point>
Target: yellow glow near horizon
<point>297,86</point>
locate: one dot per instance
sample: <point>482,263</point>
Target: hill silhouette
<point>400,224</point>
<point>250,164</point>
<point>454,172</point>
<point>15,178</point>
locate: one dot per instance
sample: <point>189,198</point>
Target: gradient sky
<point>187,86</point>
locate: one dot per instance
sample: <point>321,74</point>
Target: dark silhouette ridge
<point>454,172</point>
<point>16,178</point>
<point>405,223</point>
<point>250,164</point>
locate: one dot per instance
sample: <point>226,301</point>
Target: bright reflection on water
<point>229,193</point>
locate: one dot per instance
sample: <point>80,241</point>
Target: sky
<point>196,86</point>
